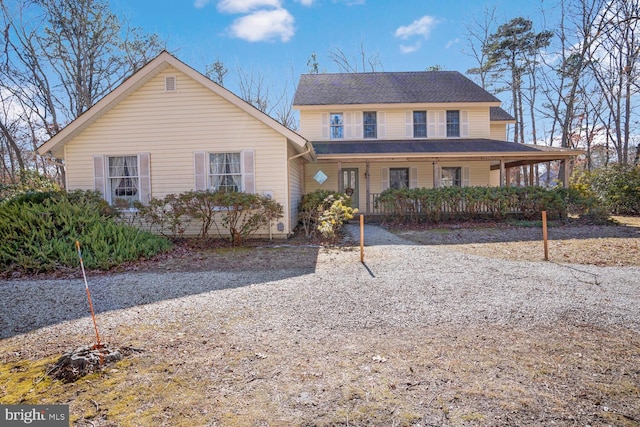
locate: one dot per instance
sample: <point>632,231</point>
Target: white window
<point>453,123</point>
<point>370,124</point>
<point>419,124</point>
<point>398,178</point>
<point>336,126</point>
<point>225,172</point>
<point>451,177</point>
<point>123,180</point>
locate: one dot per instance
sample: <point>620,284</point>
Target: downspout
<point>309,149</point>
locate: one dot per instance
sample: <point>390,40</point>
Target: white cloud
<point>306,2</point>
<point>199,4</point>
<point>420,27</point>
<point>264,25</point>
<point>245,6</point>
<point>450,43</point>
<point>409,49</point>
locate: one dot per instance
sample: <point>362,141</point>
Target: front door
<point>350,185</point>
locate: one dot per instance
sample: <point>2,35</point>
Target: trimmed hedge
<point>38,231</point>
<point>436,204</point>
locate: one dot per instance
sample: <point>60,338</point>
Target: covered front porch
<point>366,169</point>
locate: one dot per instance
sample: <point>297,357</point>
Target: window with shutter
<point>451,176</point>
<point>419,124</point>
<point>123,180</point>
<point>336,125</point>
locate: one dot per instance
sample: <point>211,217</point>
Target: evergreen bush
<point>617,187</point>
<point>38,231</point>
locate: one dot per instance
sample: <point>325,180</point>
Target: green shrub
<point>243,213</point>
<point>240,214</point>
<point>163,216</point>
<point>617,187</point>
<point>310,209</point>
<point>433,204</point>
<point>28,182</point>
<point>38,232</point>
<point>332,218</point>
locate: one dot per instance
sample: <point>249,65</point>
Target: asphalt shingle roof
<point>423,146</point>
<point>388,88</point>
<point>497,114</point>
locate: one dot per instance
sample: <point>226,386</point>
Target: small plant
<point>310,208</point>
<point>331,219</point>
<point>243,214</point>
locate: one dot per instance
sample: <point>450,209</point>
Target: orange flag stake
<point>86,285</point>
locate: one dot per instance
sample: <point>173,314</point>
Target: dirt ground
<point>447,375</point>
<point>602,245</point>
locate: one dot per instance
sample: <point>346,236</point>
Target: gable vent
<point>170,83</point>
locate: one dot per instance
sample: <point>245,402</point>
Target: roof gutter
<point>309,151</point>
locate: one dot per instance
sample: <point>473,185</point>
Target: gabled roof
<point>389,88</point>
<point>142,76</point>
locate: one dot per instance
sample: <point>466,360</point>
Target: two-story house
<point>373,131</point>
<point>169,129</point>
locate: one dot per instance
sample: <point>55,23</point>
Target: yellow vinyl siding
<point>311,121</point>
<point>171,126</point>
<point>478,122</point>
<point>296,185</point>
<point>499,131</point>
<point>478,175</point>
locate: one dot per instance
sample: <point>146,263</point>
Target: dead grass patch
<point>474,375</point>
<point>602,245</point>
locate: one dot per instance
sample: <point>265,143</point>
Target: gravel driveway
<point>401,284</point>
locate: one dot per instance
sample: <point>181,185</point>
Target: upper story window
<point>370,124</point>
<point>336,124</point>
<point>419,124</point>
<point>123,179</point>
<point>225,172</point>
<point>453,123</point>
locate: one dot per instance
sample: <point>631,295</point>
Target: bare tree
<point>312,64</point>
<point>478,32</point>
<point>217,72</point>
<point>360,62</point>
<point>614,62</point>
<point>253,89</point>
<point>62,56</point>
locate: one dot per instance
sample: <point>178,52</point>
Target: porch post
<point>531,180</point>
<point>340,183</point>
<point>436,184</point>
<point>567,173</point>
<point>368,184</point>
<point>502,173</point>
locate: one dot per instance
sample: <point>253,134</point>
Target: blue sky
<point>276,37</point>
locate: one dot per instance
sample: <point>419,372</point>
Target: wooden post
<point>362,238</point>
<point>544,235</point>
